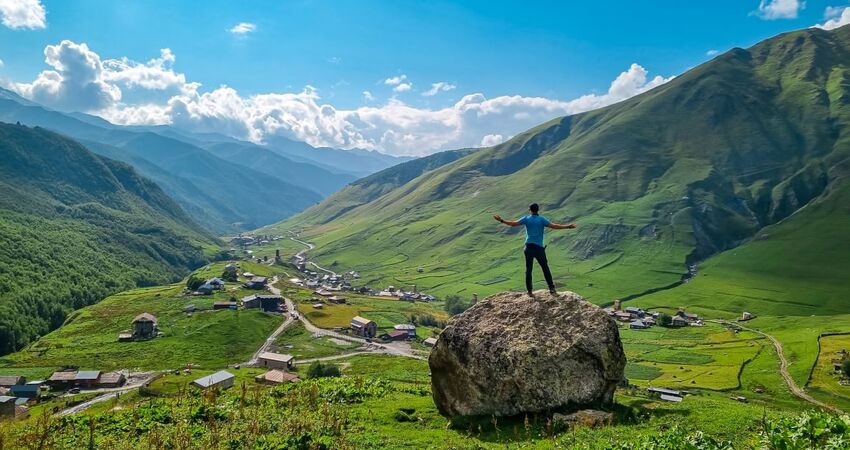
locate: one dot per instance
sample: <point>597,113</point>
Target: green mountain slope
<point>373,186</point>
<point>76,227</point>
<point>308,176</point>
<point>665,179</point>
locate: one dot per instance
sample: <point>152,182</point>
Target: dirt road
<point>795,389</point>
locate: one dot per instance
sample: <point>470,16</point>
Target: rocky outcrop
<point>512,354</point>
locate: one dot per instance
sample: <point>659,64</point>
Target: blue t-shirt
<point>534,226</point>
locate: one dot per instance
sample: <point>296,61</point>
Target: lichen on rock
<point>511,354</point>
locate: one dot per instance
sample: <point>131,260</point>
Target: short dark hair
<point>534,207</point>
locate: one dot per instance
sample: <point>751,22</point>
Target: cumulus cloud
<point>76,81</point>
<point>779,9</point>
<point>23,14</point>
<point>712,52</point>
<point>368,96</point>
<point>491,140</point>
<point>835,17</point>
<point>79,80</point>
<point>402,87</point>
<point>243,28</point>
<point>437,88</point>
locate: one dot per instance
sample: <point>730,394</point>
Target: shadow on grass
<point>525,427</point>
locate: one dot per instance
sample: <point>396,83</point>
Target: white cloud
<point>23,14</point>
<point>437,87</point>
<point>491,140</point>
<point>128,92</point>
<point>835,17</point>
<point>2,63</point>
<point>80,81</point>
<point>76,83</point>
<point>334,60</point>
<point>712,52</point>
<point>392,81</point>
<point>779,9</point>
<point>368,96</point>
<point>243,28</point>
<point>402,87</point>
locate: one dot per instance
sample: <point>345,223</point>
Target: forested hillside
<point>75,227</point>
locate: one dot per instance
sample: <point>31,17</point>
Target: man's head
<point>534,208</point>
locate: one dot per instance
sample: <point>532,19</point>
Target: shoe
<point>530,294</point>
<point>553,291</point>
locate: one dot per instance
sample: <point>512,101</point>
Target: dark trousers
<point>537,252</point>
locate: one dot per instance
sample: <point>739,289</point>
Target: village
<point>235,289</point>
<point>639,319</point>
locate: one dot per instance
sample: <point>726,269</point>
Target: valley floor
<point>731,372</point>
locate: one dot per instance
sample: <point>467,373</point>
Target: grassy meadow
<point>205,338</point>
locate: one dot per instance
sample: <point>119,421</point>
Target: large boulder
<point>512,354</point>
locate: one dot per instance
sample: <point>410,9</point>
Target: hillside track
<point>795,389</point>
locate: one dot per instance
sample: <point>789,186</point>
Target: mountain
<point>76,227</point>
<point>356,162</point>
<point>373,186</point>
<point>223,196</point>
<point>306,175</point>
<point>656,183</point>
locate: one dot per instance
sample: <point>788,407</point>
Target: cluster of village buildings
<point>279,372</point>
<point>17,394</point>
<point>639,319</point>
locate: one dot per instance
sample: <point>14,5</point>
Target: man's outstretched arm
<point>561,226</point>
<point>510,223</point>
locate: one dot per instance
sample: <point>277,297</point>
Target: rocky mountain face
<point>511,354</point>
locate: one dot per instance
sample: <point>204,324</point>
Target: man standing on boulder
<point>534,248</point>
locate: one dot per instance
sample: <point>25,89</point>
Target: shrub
<point>320,370</point>
<point>455,305</point>
<point>808,430</point>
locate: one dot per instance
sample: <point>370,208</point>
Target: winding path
<point>300,255</point>
<point>783,369</point>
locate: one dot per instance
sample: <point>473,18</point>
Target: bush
<point>320,370</point>
<point>426,320</point>
<point>455,305</point>
<point>809,430</point>
<point>664,319</point>
<point>845,367</point>
<point>193,283</point>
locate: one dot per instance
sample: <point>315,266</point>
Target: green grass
<point>824,381</point>
<point>301,344</point>
<point>385,311</point>
<point>708,357</point>
<point>207,338</point>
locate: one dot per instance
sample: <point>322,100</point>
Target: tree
<point>455,305</point>
<point>193,283</point>
<point>664,320</point>
<point>319,370</point>
<point>845,367</point>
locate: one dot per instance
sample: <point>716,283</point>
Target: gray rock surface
<point>511,354</point>
<point>589,418</point>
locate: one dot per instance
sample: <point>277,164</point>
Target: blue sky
<point>557,50</point>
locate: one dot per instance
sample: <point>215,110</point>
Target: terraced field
<point>709,357</point>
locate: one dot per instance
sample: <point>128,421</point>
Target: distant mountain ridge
<point>692,168</point>
<point>75,227</point>
<point>223,183</point>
